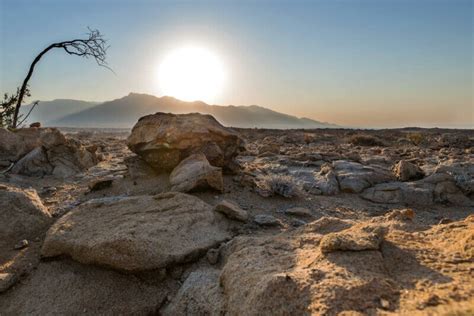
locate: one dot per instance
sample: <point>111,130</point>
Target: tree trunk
<point>25,82</point>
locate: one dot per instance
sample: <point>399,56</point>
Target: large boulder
<point>22,214</point>
<point>164,139</point>
<point>354,177</point>
<point>137,233</point>
<point>195,173</point>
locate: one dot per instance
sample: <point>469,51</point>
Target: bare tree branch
<point>94,46</point>
<point>29,112</point>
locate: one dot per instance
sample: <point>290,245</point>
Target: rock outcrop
<point>44,151</point>
<point>194,173</point>
<point>22,214</point>
<point>354,177</point>
<point>200,294</point>
<point>289,274</point>
<point>137,233</point>
<point>439,187</point>
<point>164,140</point>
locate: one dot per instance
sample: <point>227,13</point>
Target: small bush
<point>365,140</point>
<point>416,138</point>
<point>282,185</point>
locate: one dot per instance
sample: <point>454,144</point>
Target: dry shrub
<point>416,138</point>
<point>309,138</point>
<point>365,140</point>
<point>282,185</point>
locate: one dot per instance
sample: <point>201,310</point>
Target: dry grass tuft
<point>416,138</point>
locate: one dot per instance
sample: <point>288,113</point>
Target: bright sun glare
<point>190,74</point>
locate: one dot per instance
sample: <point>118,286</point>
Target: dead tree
<point>94,46</point>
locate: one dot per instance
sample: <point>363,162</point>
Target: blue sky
<point>378,63</point>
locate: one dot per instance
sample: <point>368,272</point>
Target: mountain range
<point>124,113</point>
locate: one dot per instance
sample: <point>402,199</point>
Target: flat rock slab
<point>354,177</point>
<point>69,288</point>
<point>138,233</point>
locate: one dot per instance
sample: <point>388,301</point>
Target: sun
<point>191,73</point>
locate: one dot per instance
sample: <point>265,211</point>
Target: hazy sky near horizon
<point>367,63</point>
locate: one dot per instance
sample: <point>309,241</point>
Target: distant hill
<point>48,112</point>
<point>124,113</point>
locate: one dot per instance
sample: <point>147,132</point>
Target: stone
<point>408,193</point>
<point>200,294</point>
<point>35,164</point>
<point>70,159</point>
<point>461,172</point>
<point>356,238</point>
<point>299,211</point>
<point>212,256</point>
<point>295,222</point>
<point>14,145</point>
<point>137,233</point>
<point>323,182</point>
<point>405,171</point>
<point>6,281</point>
<point>326,181</point>
<point>43,151</point>
<point>22,214</point>
<point>164,139</point>
<point>384,303</point>
<point>437,188</point>
<point>194,173</point>
<point>232,210</point>
<point>35,124</point>
<point>354,177</point>
<point>68,288</point>
<point>137,168</point>
<point>267,220</point>
<point>21,245</point>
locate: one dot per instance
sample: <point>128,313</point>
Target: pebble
<point>267,220</point>
<point>22,244</point>
<point>212,256</point>
<point>298,211</point>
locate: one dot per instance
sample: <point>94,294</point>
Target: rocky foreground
<point>182,216</point>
